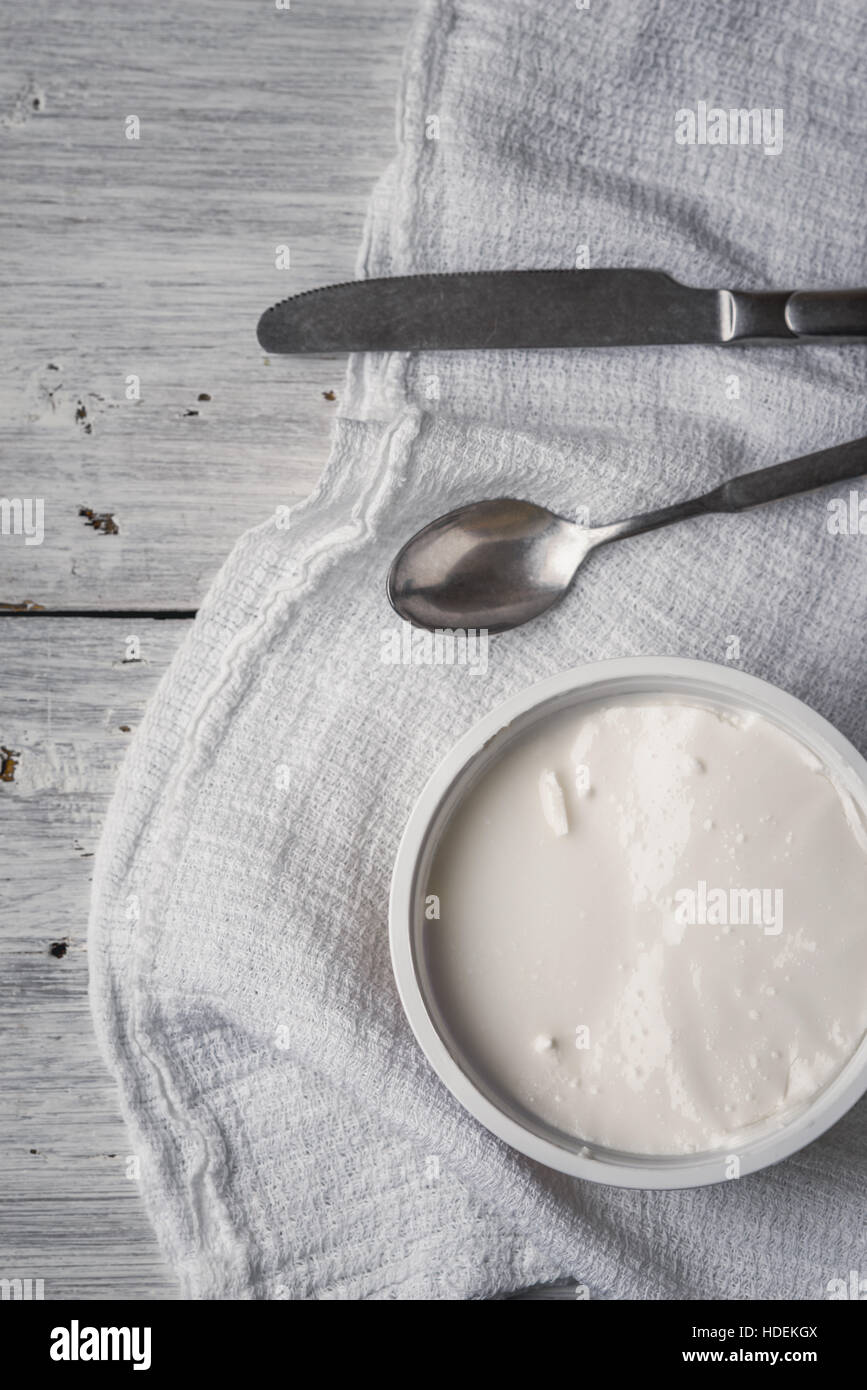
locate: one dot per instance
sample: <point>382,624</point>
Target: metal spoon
<point>499,563</point>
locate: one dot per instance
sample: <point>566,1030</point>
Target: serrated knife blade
<point>551,309</point>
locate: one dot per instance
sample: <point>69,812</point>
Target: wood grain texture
<point>154,258</point>
<point>68,1212</point>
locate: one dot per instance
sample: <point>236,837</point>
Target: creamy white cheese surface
<point>652,925</point>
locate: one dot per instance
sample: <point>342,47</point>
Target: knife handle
<point>838,314</point>
<point>820,316</point>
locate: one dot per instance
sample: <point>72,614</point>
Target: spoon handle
<point>804,474</point>
<point>835,465</point>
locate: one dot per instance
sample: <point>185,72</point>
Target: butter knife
<point>552,309</point>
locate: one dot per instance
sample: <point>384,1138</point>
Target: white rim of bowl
<point>651,676</point>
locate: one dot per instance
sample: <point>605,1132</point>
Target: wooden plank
<point>153,258</point>
<point>69,1214</point>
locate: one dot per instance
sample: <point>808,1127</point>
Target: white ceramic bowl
<point>698,682</point>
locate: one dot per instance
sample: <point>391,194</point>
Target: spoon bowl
<point>493,564</point>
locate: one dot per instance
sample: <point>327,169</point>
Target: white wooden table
<point>132,387</point>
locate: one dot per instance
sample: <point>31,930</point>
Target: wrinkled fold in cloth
<point>294,1143</point>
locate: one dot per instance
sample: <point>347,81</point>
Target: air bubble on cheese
<point>690,764</point>
<point>553,802</point>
